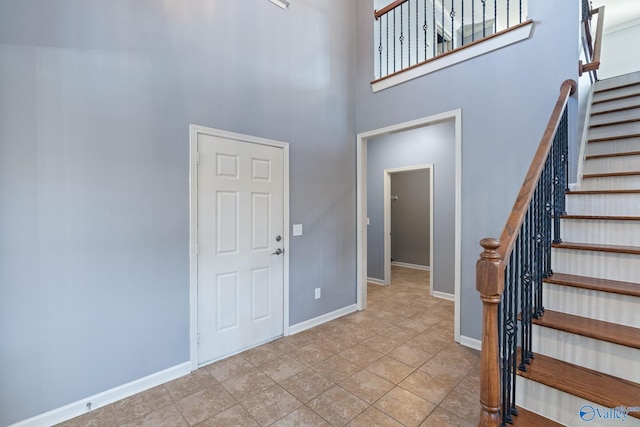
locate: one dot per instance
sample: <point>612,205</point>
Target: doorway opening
<point>362,219</point>
<point>408,219</point>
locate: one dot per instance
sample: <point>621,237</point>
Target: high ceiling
<point>619,12</point>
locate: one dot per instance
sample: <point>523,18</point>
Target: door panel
<point>240,212</point>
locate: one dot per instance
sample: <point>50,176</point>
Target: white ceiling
<point>619,12</point>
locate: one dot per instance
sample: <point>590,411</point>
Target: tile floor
<point>393,364</point>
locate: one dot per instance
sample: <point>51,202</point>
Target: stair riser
<point>616,93</point>
<point>631,182</point>
<point>601,356</point>
<point>614,105</point>
<point>560,406</point>
<point>617,81</point>
<point>615,131</point>
<point>603,265</point>
<point>607,232</point>
<point>606,306</point>
<point>609,147</point>
<point>599,119</point>
<point>603,204</point>
<point>612,164</point>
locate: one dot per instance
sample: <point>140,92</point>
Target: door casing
<point>194,131</point>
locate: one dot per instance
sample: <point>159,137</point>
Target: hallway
<point>393,364</point>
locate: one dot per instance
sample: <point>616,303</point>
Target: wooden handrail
<point>378,13</point>
<point>594,63</point>
<point>490,268</point>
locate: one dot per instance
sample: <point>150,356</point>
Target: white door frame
<point>387,219</point>
<point>361,201</point>
<point>194,131</point>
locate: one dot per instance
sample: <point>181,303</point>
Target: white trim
<point>443,295</point>
<point>316,321</point>
<point>583,142</point>
<point>105,398</point>
<point>376,281</point>
<point>471,342</point>
<point>361,201</point>
<point>456,57</point>
<point>194,130</point>
<point>387,218</point>
<point>622,26</point>
<point>413,266</point>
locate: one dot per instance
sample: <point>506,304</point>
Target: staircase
<point>587,343</point>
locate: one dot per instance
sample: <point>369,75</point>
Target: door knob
<point>278,252</point>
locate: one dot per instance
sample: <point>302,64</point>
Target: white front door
<point>240,227</point>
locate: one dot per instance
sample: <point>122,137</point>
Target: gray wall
<point>410,242</point>
<point>617,58</point>
<point>506,98</point>
<point>435,145</point>
<point>96,99</point>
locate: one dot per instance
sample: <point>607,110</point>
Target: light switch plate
<point>297,229</point>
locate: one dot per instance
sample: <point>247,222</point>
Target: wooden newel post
<point>490,284</point>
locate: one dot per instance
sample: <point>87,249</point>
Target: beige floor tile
<point>411,356</point>
<point>464,399</point>
<point>168,416</point>
<point>141,404</point>
<point>262,355</point>
<point>271,405</point>
<point>429,343</point>
<point>243,386</point>
<point>337,406</point>
<point>311,354</point>
<point>390,369</point>
<point>336,368</point>
<point>205,404</point>
<point>291,343</point>
<point>302,417</point>
<point>189,384</point>
<point>232,417</point>
<point>428,387</point>
<point>230,367</point>
<point>282,368</point>
<point>398,333</point>
<point>405,407</point>
<point>101,417</point>
<point>367,386</point>
<point>443,418</point>
<point>360,355</point>
<point>371,417</point>
<point>381,343</point>
<point>306,385</point>
<point>334,343</point>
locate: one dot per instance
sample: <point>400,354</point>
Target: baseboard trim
<point>444,295</point>
<point>471,342</point>
<point>316,321</point>
<point>414,266</point>
<point>375,281</point>
<point>105,398</point>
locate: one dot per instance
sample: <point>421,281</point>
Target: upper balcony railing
<point>410,32</point>
<point>592,38</point>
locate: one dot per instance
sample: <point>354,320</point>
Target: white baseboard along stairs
<point>586,369</point>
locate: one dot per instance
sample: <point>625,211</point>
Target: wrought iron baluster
<point>461,42</point>
<point>495,16</point>
<point>508,12</point>
<point>519,11</point>
<point>442,25</point>
<point>425,27</point>
<point>417,35</point>
<point>435,27</point>
<point>380,46</point>
<point>387,44</point>
<point>401,38</point>
<point>484,17</point>
<point>473,20</point>
<point>394,40</point>
<point>452,14</point>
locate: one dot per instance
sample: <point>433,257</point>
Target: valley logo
<point>589,413</point>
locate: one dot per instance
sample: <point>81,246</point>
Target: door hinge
<point>198,339</point>
<point>198,249</point>
<point>197,157</point>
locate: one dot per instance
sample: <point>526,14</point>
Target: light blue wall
<point>506,98</point>
<point>96,99</point>
<point>434,144</point>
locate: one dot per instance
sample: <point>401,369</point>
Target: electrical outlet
<point>318,294</point>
